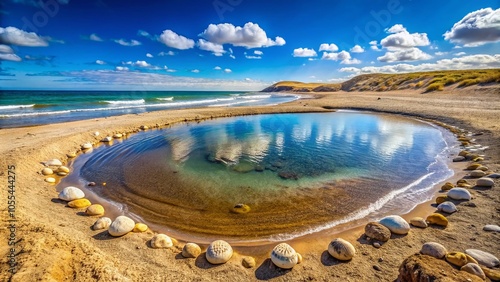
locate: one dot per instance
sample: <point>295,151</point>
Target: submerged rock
<point>433,249</point>
<point>219,252</point>
<point>284,256</point>
<point>377,231</point>
<point>396,224</point>
<point>288,175</point>
<point>341,249</point>
<point>121,226</point>
<point>191,250</point>
<point>244,167</point>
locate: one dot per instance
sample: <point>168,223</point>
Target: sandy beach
<point>56,243</point>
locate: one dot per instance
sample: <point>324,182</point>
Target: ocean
<point>27,108</point>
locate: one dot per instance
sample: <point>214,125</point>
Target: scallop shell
<point>341,249</point>
<point>219,252</point>
<point>284,256</point>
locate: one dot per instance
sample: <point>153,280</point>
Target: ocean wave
<point>165,99</point>
<point>126,102</point>
<point>234,103</point>
<point>10,107</point>
<point>265,96</point>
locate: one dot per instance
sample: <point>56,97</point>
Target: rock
<point>140,227</point>
<point>191,250</point>
<point>396,224</point>
<point>483,257</point>
<point>102,223</point>
<point>71,193</point>
<point>447,186</point>
<point>494,175</point>
<point>459,159</point>
<point>47,171</point>
<point>473,166</point>
<point>50,180</point>
<point>463,185</point>
<point>478,159</point>
<point>288,175</point>
<point>447,207</point>
<point>219,252</point>
<point>107,139</point>
<point>441,199</point>
<point>259,168</point>
<point>377,245</point>
<point>241,208</point>
<point>341,249</point>
<point>53,162</point>
<point>377,231</point>
<point>284,256</point>
<point>299,258</point>
<point>434,250</point>
<point>462,181</point>
<point>79,203</point>
<point>144,127</point>
<point>459,194</point>
<point>91,184</point>
<point>483,168</point>
<point>491,227</point>
<point>161,241</point>
<point>71,155</point>
<point>474,269</point>
<point>437,219</point>
<point>62,173</point>
<point>477,173</point>
<point>420,268</point>
<point>248,262</point>
<point>418,222</point>
<point>121,226</point>
<point>493,274</point>
<point>456,258</point>
<point>95,209</point>
<point>117,135</point>
<point>87,146</point>
<point>63,169</point>
<point>485,182</point>
<point>463,153</point>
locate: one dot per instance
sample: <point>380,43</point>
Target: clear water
<point>299,173</point>
<point>25,108</point>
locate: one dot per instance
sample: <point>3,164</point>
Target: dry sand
<point>55,243</point>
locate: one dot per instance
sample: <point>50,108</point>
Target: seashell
<point>71,193</point>
<point>447,207</point>
<point>434,250</point>
<point>284,256</point>
<point>341,249</point>
<point>160,241</point>
<point>121,226</point>
<point>396,224</point>
<point>191,250</point>
<point>102,223</point>
<point>219,252</point>
<point>459,194</point>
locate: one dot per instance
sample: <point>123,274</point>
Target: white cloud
<point>121,68</point>
<point>100,62</point>
<point>258,52</point>
<point>232,56</point>
<point>149,55</point>
<point>373,45</point>
<point>344,57</point>
<point>304,52</point>
<point>250,57</point>
<point>440,53</point>
<point>216,49</point>
<point>401,38</point>
<point>476,28</point>
<point>413,54</point>
<point>6,49</point>
<point>94,37</point>
<point>9,57</point>
<point>459,54</point>
<point>123,42</point>
<point>169,53</point>
<point>173,40</point>
<point>480,61</point>
<point>328,47</point>
<point>195,71</point>
<point>14,36</point>
<point>250,35</point>
<point>143,33</point>
<point>217,68</point>
<point>357,49</point>
<point>227,70</point>
<point>139,64</point>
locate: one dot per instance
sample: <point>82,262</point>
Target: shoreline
<point>42,142</point>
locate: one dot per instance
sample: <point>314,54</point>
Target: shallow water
<point>299,173</point>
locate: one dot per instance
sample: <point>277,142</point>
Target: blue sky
<point>236,44</point>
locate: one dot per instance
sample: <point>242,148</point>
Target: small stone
<point>377,245</point>
<point>191,250</point>
<point>107,139</point>
<point>63,169</point>
<point>418,222</point>
<point>447,207</point>
<point>493,274</point>
<point>459,194</point>
<point>95,209</point>
<point>485,182</point>
<point>396,224</point>
<point>483,257</point>
<point>474,269</point>
<point>460,181</point>
<point>241,208</point>
<point>62,173</point>
<point>50,180</point>
<point>483,168</point>
<point>248,262</point>
<point>91,184</point>
<point>341,249</point>
<point>284,256</point>
<point>96,133</point>
<point>47,171</point>
<point>494,175</point>
<point>71,155</point>
<point>87,146</point>
<point>161,241</point>
<point>71,193</point>
<point>219,252</point>
<point>437,219</point>
<point>299,258</point>
<point>456,258</point>
<point>377,231</point>
<point>433,249</point>
<point>441,199</point>
<point>121,226</point>
<point>447,186</point>
<point>377,268</point>
<point>117,135</point>
<point>140,227</point>
<point>477,173</point>
<point>144,127</point>
<point>459,159</point>
<point>53,162</point>
<point>102,223</point>
<point>473,167</point>
<point>491,227</point>
<point>79,203</point>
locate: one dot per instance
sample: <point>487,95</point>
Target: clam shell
<point>219,252</point>
<point>284,256</point>
<point>341,249</point>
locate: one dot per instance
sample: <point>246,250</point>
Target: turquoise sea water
<point>24,108</point>
<point>299,173</point>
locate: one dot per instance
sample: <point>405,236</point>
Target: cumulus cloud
<point>139,64</point>
<point>344,57</point>
<point>476,28</point>
<point>9,57</point>
<point>412,54</point>
<point>460,54</point>
<point>121,68</point>
<point>123,42</point>
<point>195,71</point>
<point>217,68</point>
<point>400,38</point>
<point>227,70</point>
<point>173,40</point>
<point>216,49</point>
<point>328,47</point>
<point>258,52</point>
<point>95,37</point>
<point>480,61</point>
<point>100,62</point>
<point>374,45</point>
<point>304,52</point>
<point>357,49</point>
<point>14,36</point>
<point>149,55</point>
<point>5,49</point>
<point>250,35</point>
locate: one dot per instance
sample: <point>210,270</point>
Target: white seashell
<point>341,249</point>
<point>71,193</point>
<point>284,256</point>
<point>396,224</point>
<point>102,223</point>
<point>121,226</point>
<point>447,207</point>
<point>219,252</point>
<point>161,241</point>
<point>459,194</point>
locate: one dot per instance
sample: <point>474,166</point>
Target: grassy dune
<point>422,81</point>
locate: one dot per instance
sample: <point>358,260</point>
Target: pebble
<point>473,167</point>
<point>341,249</point>
<point>87,146</point>
<point>102,223</point>
<point>477,173</point>
<point>71,193</point>
<point>437,219</point>
<point>191,250</point>
<point>447,207</point>
<point>483,257</point>
<point>241,208</point>
<point>493,274</point>
<point>62,173</point>
<point>474,269</point>
<point>284,256</point>
<point>47,171</point>
<point>441,199</point>
<point>494,175</point>
<point>447,186</point>
<point>117,135</point>
<point>377,245</point>
<point>396,224</point>
<point>491,227</point>
<point>63,169</point>
<point>140,227</point>
<point>71,155</point>
<point>53,162</point>
<point>418,222</point>
<point>459,159</point>
<point>121,226</point>
<point>96,133</point>
<point>459,194</point>
<point>248,262</point>
<point>377,231</point>
<point>79,203</point>
<point>433,249</point>
<point>107,139</point>
<point>161,241</point>
<point>456,258</point>
<point>485,182</point>
<point>219,252</point>
<point>95,209</point>
<point>50,180</point>
<point>299,258</point>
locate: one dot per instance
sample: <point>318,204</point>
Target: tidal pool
<point>298,173</point>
